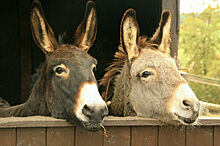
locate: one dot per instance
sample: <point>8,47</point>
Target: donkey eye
<point>62,71</point>
<point>59,70</point>
<point>145,74</point>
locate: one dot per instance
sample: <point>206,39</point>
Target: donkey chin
<point>92,126</point>
<point>187,120</point>
<point>186,115</point>
<point>91,122</point>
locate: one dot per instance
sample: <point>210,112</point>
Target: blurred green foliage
<point>199,50</point>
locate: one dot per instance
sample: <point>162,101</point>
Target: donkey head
<point>157,88</point>
<point>70,86</point>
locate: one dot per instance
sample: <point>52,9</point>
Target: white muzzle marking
<point>88,95</point>
<point>176,104</point>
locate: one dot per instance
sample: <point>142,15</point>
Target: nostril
<point>86,107</point>
<point>186,102</point>
<point>87,110</point>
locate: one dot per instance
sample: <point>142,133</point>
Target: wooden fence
<point>201,79</point>
<point>127,131</point>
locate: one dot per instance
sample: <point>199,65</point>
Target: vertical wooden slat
<point>86,138</point>
<point>171,136</point>
<point>173,6</point>
<point>199,136</point>
<point>31,136</point>
<point>25,47</point>
<point>144,136</point>
<point>7,137</point>
<point>117,136</point>
<point>60,136</point>
<point>216,135</point>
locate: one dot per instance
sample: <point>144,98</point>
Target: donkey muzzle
<point>90,107</point>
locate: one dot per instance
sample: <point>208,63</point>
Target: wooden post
<point>25,47</point>
<point>173,6</point>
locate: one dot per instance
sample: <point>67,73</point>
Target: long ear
<point>41,31</point>
<point>162,35</point>
<point>86,32</point>
<point>129,33</point>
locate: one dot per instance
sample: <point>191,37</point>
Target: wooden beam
<point>25,47</point>
<point>173,6</point>
<point>41,121</point>
<point>201,79</point>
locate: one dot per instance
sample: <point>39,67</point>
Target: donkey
<point>144,80</point>
<point>66,87</point>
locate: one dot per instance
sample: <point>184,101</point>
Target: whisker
<point>182,129</point>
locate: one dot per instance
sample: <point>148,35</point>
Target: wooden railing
<point>126,131</point>
<point>201,79</point>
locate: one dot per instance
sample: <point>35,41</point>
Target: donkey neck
<point>121,100</point>
<point>35,105</point>
<point>122,82</point>
<point>37,99</point>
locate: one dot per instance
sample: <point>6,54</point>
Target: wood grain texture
<point>41,121</point>
<point>216,135</point>
<point>171,136</point>
<point>31,137</point>
<point>199,136</point>
<point>117,136</point>
<point>33,121</point>
<point>86,138</point>
<point>25,47</point>
<point>60,136</point>
<point>8,137</point>
<point>173,6</point>
<point>144,135</point>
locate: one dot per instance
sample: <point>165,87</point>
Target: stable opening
<point>20,55</point>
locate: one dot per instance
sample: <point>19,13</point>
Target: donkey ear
<point>162,35</point>
<point>129,33</point>
<point>86,32</point>
<point>41,31</point>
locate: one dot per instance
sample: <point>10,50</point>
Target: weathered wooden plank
<point>25,46</point>
<point>201,79</point>
<point>199,136</point>
<point>130,121</point>
<point>171,136</point>
<point>31,136</point>
<point>117,136</point>
<point>33,121</point>
<point>41,121</point>
<point>86,138</point>
<point>216,135</point>
<point>173,6</point>
<point>144,135</point>
<point>60,136</point>
<point>8,137</point>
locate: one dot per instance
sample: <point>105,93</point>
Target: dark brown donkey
<point>67,87</point>
<point>144,80</point>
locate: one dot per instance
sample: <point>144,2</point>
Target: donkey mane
<point>120,58</point>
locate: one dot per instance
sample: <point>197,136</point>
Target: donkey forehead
<point>71,55</point>
<point>149,58</point>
